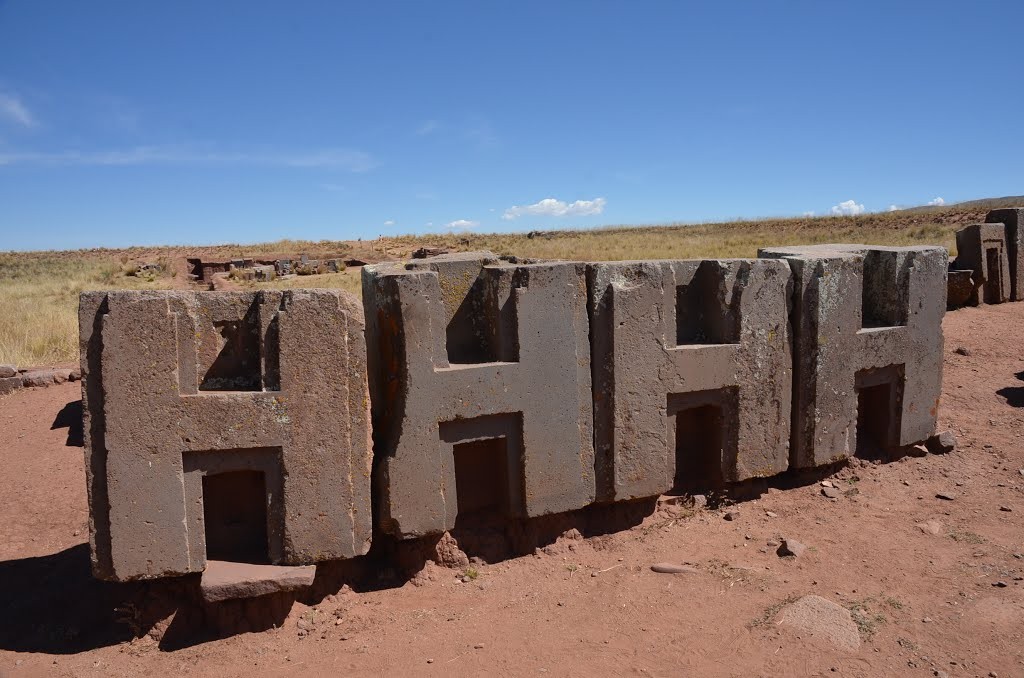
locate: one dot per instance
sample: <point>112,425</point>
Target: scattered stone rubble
<point>231,426</point>
<point>12,379</point>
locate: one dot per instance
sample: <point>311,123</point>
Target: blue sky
<point>203,122</point>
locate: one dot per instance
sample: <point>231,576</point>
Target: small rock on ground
<point>948,496</point>
<point>943,443</point>
<point>831,492</point>
<point>791,547</point>
<point>673,568</point>
<point>8,371</point>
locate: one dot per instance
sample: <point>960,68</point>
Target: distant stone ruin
<point>236,427</point>
<point>989,265</point>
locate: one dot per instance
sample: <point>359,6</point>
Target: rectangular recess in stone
<point>833,343</point>
<point>884,290</point>
<point>226,472</point>
<point>664,329</point>
<point>487,465</point>
<point>1012,219</point>
<point>704,426</point>
<point>145,356</point>
<point>703,313</point>
<point>879,409</point>
<point>465,336</point>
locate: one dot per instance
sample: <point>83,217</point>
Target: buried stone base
<point>224,580</point>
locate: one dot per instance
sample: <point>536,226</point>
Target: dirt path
<point>924,602</point>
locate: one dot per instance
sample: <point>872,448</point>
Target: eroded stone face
<point>480,374</point>
<point>1012,219</point>
<point>867,344</point>
<point>692,373</point>
<point>223,424</point>
<point>982,248</point>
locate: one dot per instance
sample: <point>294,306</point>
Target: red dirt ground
<point>927,603</point>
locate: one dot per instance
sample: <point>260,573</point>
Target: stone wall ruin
<point>229,426</point>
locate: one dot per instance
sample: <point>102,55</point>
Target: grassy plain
<point>39,290</point>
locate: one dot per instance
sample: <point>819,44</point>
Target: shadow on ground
<point>70,417</point>
<point>1014,395</point>
<point>52,604</point>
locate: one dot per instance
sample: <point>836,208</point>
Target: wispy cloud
<point>336,158</point>
<point>847,208</point>
<point>389,222</point>
<point>461,225</point>
<point>936,202</point>
<point>808,214</point>
<point>481,133</point>
<point>550,207</point>
<point>427,127</point>
<point>13,109</point>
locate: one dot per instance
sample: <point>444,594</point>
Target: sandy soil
<point>926,604</point>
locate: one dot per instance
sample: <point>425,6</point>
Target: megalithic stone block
<point>234,425</point>
<point>982,249</point>
<point>1012,219</point>
<point>868,347</point>
<point>692,373</point>
<point>480,377</point>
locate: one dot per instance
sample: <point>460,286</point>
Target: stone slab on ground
<point>824,619</point>
<point>227,581</point>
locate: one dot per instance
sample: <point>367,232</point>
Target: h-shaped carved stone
<point>671,336</point>
<point>302,421</point>
<point>866,316</point>
<point>522,332</point>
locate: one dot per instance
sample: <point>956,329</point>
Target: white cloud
<point>14,110</point>
<point>894,208</point>
<point>551,207</point>
<point>389,222</point>
<point>461,225</point>
<point>847,208</point>
<point>339,158</point>
<point>937,202</point>
<point>808,214</point>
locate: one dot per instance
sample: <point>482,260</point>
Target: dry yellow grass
<point>39,302</point>
<point>39,290</point>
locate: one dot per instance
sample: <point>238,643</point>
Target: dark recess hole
<point>481,481</point>
<point>879,400</point>
<point>702,314</point>
<point>235,516</point>
<point>700,443</point>
<point>994,282</point>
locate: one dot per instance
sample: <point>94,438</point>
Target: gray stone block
<point>9,384</point>
<point>960,289</point>
<point>226,425</point>
<point>1012,219</point>
<point>692,373</point>
<point>868,342</point>
<point>480,376</point>
<point>982,249</point>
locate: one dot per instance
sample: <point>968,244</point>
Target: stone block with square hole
<point>224,426</point>
<point>1012,219</point>
<point>867,327</point>
<point>692,373</point>
<point>480,378</point>
<point>982,248</point>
